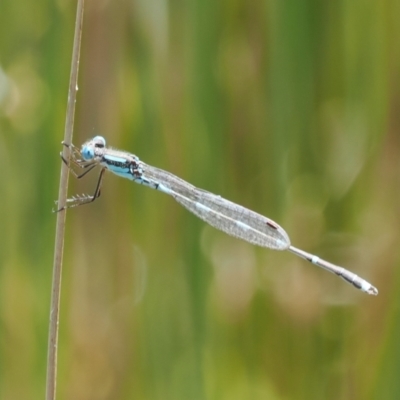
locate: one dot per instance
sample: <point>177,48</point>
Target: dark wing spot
<point>271,225</point>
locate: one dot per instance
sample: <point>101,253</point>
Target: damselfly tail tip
<point>368,288</point>
<point>359,283</point>
<point>372,290</point>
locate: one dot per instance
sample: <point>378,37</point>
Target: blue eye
<point>87,153</point>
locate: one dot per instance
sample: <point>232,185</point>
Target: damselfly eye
<point>99,141</point>
<point>87,153</point>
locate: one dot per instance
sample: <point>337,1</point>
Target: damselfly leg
<point>75,159</point>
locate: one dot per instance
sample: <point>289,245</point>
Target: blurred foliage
<point>290,108</point>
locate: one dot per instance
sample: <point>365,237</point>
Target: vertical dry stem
<point>60,226</point>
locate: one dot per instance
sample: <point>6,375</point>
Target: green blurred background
<point>290,108</point>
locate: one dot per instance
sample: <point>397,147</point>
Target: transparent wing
<point>220,213</point>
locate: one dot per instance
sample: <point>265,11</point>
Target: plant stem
<point>60,225</point>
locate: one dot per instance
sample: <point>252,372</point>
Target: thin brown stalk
<point>60,225</point>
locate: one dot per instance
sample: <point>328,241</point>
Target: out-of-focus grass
<point>288,108</point>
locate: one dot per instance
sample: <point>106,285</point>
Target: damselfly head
<point>88,150</point>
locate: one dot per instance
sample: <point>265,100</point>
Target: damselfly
<point>222,214</point>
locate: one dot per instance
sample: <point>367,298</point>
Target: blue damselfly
<point>220,213</point>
